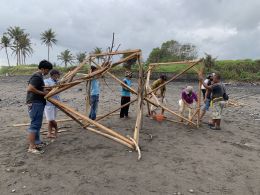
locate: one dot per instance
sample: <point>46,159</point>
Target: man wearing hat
<point>187,99</point>
<point>126,95</point>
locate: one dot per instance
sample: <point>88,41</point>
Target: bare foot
<point>51,136</point>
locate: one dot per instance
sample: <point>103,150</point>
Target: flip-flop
<point>215,128</point>
<point>51,136</point>
<point>211,125</point>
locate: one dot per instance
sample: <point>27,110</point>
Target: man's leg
<point>218,123</point>
<point>55,126</point>
<point>31,139</point>
<point>49,135</point>
<point>95,106</point>
<point>91,114</point>
<point>127,99</point>
<point>35,112</point>
<point>122,109</point>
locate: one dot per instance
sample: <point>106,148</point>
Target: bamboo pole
<point>140,103</point>
<point>64,107</point>
<point>176,76</point>
<point>90,75</point>
<point>134,55</point>
<point>103,116</point>
<point>199,97</point>
<point>111,137</point>
<point>147,88</point>
<point>115,53</point>
<point>172,63</point>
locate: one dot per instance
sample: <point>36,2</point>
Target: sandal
<point>215,128</point>
<point>41,145</point>
<point>51,136</point>
<point>211,125</point>
<point>35,151</point>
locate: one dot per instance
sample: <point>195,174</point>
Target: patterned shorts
<point>217,108</point>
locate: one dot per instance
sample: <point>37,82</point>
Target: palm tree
<point>25,47</point>
<point>48,38</point>
<point>97,50</point>
<point>15,34</point>
<point>66,57</point>
<point>80,57</point>
<point>5,43</point>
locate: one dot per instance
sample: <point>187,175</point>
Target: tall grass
<point>238,70</point>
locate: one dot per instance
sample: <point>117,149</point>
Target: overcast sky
<point>229,29</point>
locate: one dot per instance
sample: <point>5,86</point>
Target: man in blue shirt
<point>94,96</point>
<point>125,95</point>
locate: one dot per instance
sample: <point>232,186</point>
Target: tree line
<point>19,42</point>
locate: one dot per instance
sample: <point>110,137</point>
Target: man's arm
<point>31,88</point>
<point>204,84</point>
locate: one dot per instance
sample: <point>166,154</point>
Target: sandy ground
<point>178,159</point>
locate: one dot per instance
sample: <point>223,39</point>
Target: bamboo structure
<point>68,81</point>
<point>151,98</point>
<point>143,93</point>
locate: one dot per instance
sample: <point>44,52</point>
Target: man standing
<point>217,101</point>
<point>125,95</point>
<point>36,103</point>
<point>50,109</point>
<point>94,96</point>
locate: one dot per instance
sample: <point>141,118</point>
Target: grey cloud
<point>218,27</point>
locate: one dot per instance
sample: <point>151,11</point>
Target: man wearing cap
<point>50,109</point>
<point>36,103</point>
<point>187,99</point>
<point>160,92</point>
<point>126,95</point>
<point>94,95</point>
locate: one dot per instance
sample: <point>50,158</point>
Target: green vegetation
<point>171,51</point>
<point>241,70</point>
<point>29,69</point>
<point>237,70</point>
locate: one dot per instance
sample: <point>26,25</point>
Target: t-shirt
<point>36,80</point>
<point>209,91</point>
<point>50,82</point>
<point>217,90</point>
<point>94,87</point>
<point>126,92</point>
<point>205,82</point>
<point>189,98</point>
<point>156,84</point>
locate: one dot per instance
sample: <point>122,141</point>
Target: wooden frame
<point>150,96</point>
<point>69,80</point>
